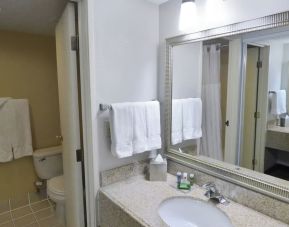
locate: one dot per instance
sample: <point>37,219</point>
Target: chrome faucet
<point>213,193</point>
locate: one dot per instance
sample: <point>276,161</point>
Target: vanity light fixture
<point>187,14</point>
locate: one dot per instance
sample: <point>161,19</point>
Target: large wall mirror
<point>228,101</point>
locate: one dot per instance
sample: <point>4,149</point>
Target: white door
<point>69,117</point>
<point>262,109</point>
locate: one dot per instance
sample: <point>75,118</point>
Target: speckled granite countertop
<point>276,128</point>
<point>141,198</point>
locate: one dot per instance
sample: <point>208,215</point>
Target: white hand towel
<point>192,118</point>
<point>6,121</point>
<point>121,128</point>
<point>21,130</point>
<point>177,122</point>
<point>278,102</point>
<point>153,125</point>
<point>139,127</point>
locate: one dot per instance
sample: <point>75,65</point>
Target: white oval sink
<point>189,212</point>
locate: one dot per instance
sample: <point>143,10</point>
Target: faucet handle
<point>211,190</point>
<point>224,200</point>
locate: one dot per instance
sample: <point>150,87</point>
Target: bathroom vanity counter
<point>275,128</point>
<point>278,137</point>
<point>135,202</point>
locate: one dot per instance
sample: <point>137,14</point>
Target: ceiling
<point>31,16</point>
<point>158,2</point>
<point>34,16</point>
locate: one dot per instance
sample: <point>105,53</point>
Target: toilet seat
<point>55,189</point>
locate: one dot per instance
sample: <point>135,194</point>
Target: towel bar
<point>104,107</point>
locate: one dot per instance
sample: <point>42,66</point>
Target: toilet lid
<point>56,185</point>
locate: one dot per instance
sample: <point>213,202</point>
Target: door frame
<point>263,103</point>
<point>85,26</point>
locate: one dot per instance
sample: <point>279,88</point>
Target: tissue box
<point>158,171</point>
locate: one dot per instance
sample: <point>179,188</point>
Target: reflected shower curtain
<point>211,98</point>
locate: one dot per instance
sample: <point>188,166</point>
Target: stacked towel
<point>153,124</point>
<point>21,131</point>
<point>139,128</point>
<point>6,154</point>
<point>121,128</point>
<point>278,102</point>
<point>192,118</point>
<point>3,101</point>
<point>186,119</point>
<point>135,128</point>
<point>15,130</point>
<point>177,121</point>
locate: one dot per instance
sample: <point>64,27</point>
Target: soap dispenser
<point>185,184</point>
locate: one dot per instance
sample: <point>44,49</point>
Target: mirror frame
<point>259,182</point>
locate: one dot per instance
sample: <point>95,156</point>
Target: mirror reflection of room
<point>200,88</point>
<point>206,98</point>
<point>186,98</point>
<point>269,124</point>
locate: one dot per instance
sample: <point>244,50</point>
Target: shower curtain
<point>211,145</point>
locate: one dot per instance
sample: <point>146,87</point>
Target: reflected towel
<point>278,102</point>
<point>192,118</point>
<point>177,122</point>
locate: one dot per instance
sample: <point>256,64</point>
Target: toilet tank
<point>48,162</point>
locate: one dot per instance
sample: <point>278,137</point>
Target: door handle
<point>227,123</point>
<point>59,138</point>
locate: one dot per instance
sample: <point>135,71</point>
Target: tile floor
<point>31,210</point>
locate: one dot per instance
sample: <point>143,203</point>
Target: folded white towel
<point>139,127</point>
<point>121,128</point>
<point>192,118</point>
<point>6,120</point>
<point>177,122</point>
<point>153,125</point>
<point>278,102</point>
<point>21,131</point>
<point>3,101</point>
<point>135,128</point>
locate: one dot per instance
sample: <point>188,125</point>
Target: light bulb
<point>187,14</point>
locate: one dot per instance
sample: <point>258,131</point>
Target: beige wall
<point>28,70</point>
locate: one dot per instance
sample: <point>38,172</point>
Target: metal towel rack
<point>104,107</point>
<point>272,92</point>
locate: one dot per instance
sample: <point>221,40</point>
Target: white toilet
<point>48,166</point>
